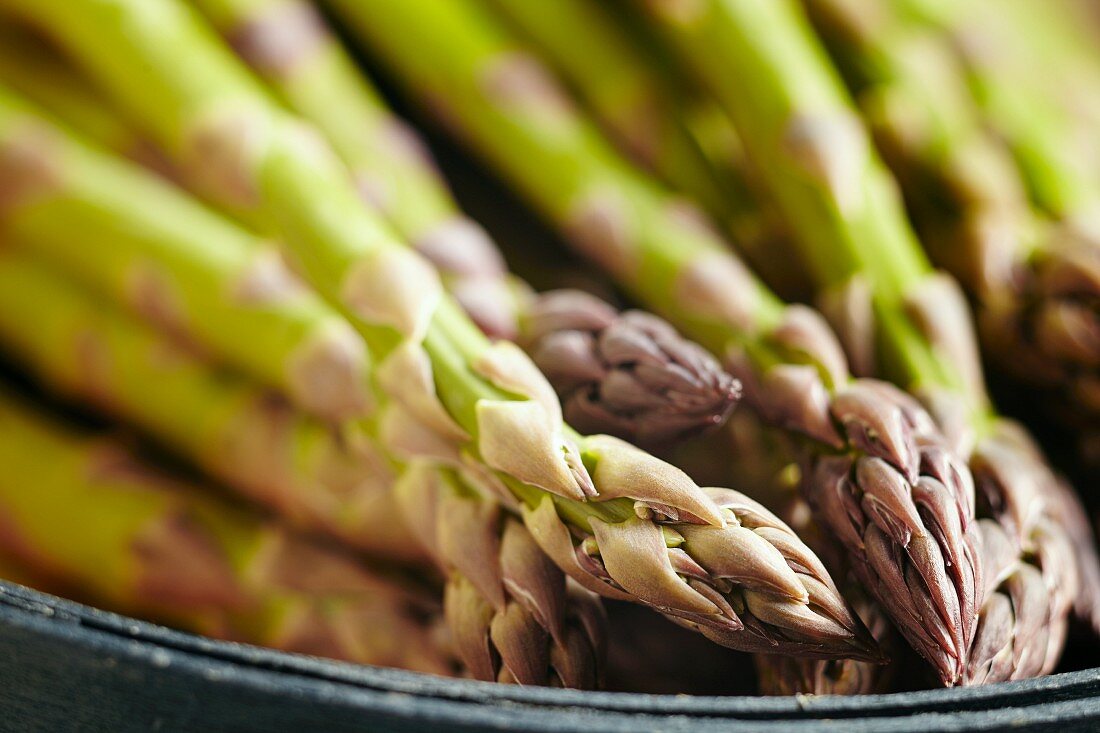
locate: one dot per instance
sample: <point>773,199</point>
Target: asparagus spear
<point>288,45</point>
<point>629,373</point>
<point>630,99</point>
<point>85,510</point>
<point>513,615</point>
<point>321,480</point>
<point>762,459</point>
<point>794,676</point>
<point>868,443</point>
<point>1031,80</point>
<point>933,136</point>
<point>177,263</point>
<point>681,137</point>
<point>629,376</point>
<point>632,515</point>
<point>795,117</point>
<point>29,66</point>
<point>1035,284</point>
<point>141,377</point>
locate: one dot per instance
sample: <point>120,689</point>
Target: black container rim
<point>1066,701</point>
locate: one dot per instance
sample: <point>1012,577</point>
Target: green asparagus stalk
<point>84,509</point>
<point>332,483</point>
<point>1034,284</point>
<point>99,356</point>
<point>1023,72</point>
<point>796,119</point>
<point>631,515</point>
<point>683,138</point>
<point>586,46</point>
<point>225,290</point>
<point>288,45</point>
<point>621,377</point>
<point>140,241</point>
<point>870,447</point>
<point>29,66</point>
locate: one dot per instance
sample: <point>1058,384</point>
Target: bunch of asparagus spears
<point>223,247</point>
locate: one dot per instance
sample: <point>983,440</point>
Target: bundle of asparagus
<point>166,549</point>
<point>334,482</point>
<point>352,354</point>
<point>619,521</point>
<point>351,503</point>
<point>287,44</point>
<point>162,242</point>
<point>85,350</point>
<point>504,104</point>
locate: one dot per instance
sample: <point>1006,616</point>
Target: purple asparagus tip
<point>628,374</point>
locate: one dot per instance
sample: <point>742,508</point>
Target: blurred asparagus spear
<point>1083,17</point>
<point>656,120</point>
<point>178,264</point>
<point>631,99</point>
<point>497,418</point>
<point>627,375</point>
<point>1035,282</point>
<point>330,483</point>
<point>795,118</point>
<point>85,510</point>
<point>31,67</point>
<point>502,102</point>
<point>211,283</point>
<point>288,45</point>
<point>1036,84</point>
